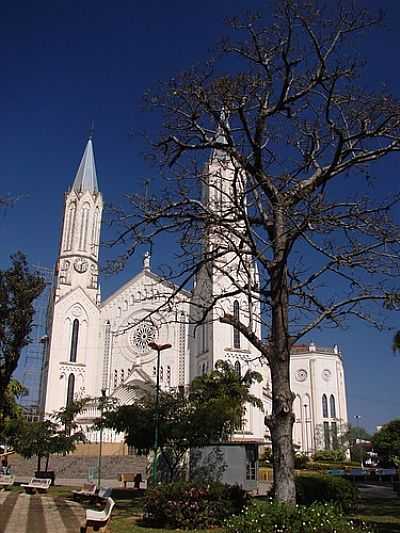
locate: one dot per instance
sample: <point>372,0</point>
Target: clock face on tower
<point>80,265</point>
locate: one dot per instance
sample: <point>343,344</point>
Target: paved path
<point>24,513</point>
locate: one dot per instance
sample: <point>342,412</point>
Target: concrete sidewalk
<point>24,513</point>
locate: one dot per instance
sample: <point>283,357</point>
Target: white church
<point>97,345</point>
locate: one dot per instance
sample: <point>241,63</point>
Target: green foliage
<point>274,517</point>
<point>301,461</point>
<point>330,456</point>
<point>208,414</point>
<point>386,442</point>
<point>187,506</point>
<point>18,289</point>
<point>44,438</point>
<point>326,489</point>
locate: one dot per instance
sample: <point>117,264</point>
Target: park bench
<point>6,480</point>
<point>36,484</point>
<point>98,519</point>
<point>335,472</point>
<point>103,494</point>
<point>87,492</point>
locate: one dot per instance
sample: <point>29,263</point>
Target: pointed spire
<point>86,179</point>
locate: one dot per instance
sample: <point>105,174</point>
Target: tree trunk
<point>47,462</point>
<point>281,420</point>
<point>39,462</point>
<point>281,427</point>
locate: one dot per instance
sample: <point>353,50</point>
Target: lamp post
<point>101,401</point>
<point>158,348</point>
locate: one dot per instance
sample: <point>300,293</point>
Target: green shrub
<point>300,461</point>
<point>325,489</point>
<point>188,506</point>
<point>274,517</point>
<point>330,456</point>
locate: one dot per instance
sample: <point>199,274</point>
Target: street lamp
<point>158,348</point>
<point>102,400</point>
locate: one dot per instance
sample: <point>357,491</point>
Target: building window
<point>84,227</point>
<point>236,333</point>
<point>169,375</point>
<point>161,374</point>
<point>332,406</point>
<point>115,378</point>
<point>74,341</point>
<point>154,371</point>
<point>122,375</point>
<point>70,389</point>
<point>334,432</point>
<point>324,406</point>
<point>238,369</point>
<point>69,234</point>
<point>327,440</point>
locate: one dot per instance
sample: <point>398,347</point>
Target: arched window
<point>70,223</point>
<point>236,333</point>
<point>74,341</point>
<point>94,232</point>
<point>84,227</point>
<point>70,389</point>
<point>324,406</point>
<point>238,368</point>
<point>332,406</point>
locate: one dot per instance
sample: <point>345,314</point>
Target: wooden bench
<point>98,519</point>
<point>36,484</point>
<point>6,481</point>
<point>87,492</point>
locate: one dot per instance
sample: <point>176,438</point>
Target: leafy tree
<point>209,413</point>
<point>292,134</point>
<point>386,443</point>
<point>46,437</point>
<point>11,413</point>
<point>19,287</point>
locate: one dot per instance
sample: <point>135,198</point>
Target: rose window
<point>142,335</point>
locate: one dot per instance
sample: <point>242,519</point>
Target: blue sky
<point>66,64</point>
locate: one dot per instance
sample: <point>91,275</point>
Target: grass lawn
<point>382,514</point>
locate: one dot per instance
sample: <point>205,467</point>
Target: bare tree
<point>294,144</point>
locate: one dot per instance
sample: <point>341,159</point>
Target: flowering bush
<point>275,517</point>
<point>188,506</point>
<point>325,489</point>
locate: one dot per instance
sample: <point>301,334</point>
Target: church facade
<point>94,345</point>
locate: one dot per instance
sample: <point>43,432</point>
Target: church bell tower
<point>79,247</point>
<point>70,367</point>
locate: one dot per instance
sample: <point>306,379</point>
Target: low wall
<point>108,448</point>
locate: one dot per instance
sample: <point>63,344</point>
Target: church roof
<point>86,179</point>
